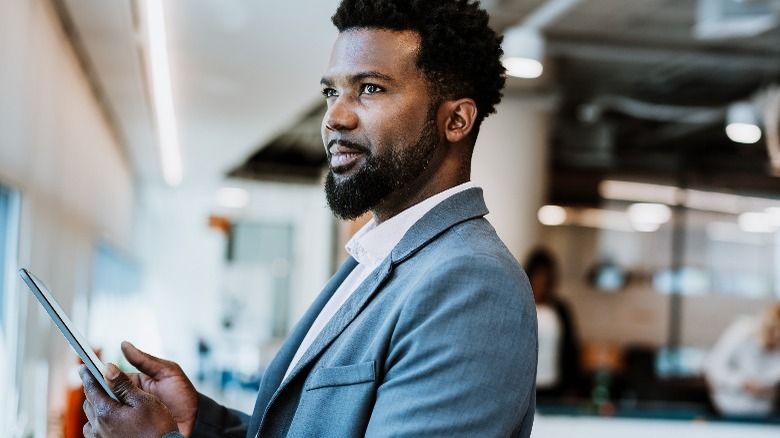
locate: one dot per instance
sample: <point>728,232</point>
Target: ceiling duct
<point>294,156</point>
<point>591,112</point>
<point>724,19</point>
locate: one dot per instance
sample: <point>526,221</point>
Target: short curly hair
<point>460,54</point>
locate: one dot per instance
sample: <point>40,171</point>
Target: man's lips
<point>343,155</point>
<point>342,160</point>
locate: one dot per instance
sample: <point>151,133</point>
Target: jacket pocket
<point>340,376</point>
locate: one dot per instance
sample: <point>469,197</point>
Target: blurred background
<point>161,169</point>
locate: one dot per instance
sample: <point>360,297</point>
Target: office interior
<point>161,168</point>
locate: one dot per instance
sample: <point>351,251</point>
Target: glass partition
<point>654,277</point>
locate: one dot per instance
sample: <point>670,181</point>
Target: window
<point>117,307</point>
<point>263,252</point>
<point>7,251</point>
<point>8,324</point>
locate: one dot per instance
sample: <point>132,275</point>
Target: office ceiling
<point>638,91</point>
<point>643,97</point>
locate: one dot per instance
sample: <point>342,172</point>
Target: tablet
<point>70,332</point>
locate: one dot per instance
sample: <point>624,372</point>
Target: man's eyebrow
<point>358,77</point>
<point>370,75</point>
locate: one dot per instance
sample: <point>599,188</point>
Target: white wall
<point>57,150</point>
<point>510,163</point>
<point>184,266</point>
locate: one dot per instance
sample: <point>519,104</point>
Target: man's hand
<point>136,414</point>
<point>757,389</point>
<point>165,380</point>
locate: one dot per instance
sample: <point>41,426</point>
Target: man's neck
<point>409,196</point>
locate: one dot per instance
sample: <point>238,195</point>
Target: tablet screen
<point>77,341</point>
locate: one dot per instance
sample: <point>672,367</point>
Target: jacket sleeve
<point>215,420</point>
<point>462,359</point>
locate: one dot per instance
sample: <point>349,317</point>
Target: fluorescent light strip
<point>694,199</point>
<point>639,192</point>
<point>553,215</point>
<point>162,94</point>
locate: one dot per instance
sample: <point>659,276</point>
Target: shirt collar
<point>373,242</point>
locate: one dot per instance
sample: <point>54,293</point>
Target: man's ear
<point>461,115</point>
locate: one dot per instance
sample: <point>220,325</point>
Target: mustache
<point>349,144</point>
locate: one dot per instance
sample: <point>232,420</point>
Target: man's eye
<point>328,92</point>
<point>371,89</point>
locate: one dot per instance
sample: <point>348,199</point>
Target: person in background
<point>743,368</point>
<point>429,327</point>
<point>558,369</point>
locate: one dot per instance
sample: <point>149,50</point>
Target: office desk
<point>558,426</point>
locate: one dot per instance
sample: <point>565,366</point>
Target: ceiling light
<point>774,216</point>
<point>233,197</point>
<point>524,45</point>
<point>647,217</point>
<point>551,215</point>
<point>646,212</point>
<point>754,222</point>
<point>741,123</point>
<point>743,132</point>
<point>525,68</point>
<point>162,95</point>
<point>523,51</point>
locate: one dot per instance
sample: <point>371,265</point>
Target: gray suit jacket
<point>440,340</point>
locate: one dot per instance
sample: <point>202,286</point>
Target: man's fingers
<point>95,394</point>
<point>89,411</point>
<point>92,388</point>
<point>120,384</point>
<point>87,430</point>
<point>135,378</point>
<point>146,363</point>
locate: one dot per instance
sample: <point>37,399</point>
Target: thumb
<point>120,384</point>
<point>146,363</point>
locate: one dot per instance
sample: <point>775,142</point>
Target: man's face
<point>380,129</point>
<point>540,284</point>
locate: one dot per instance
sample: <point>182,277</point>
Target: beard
<point>381,174</point>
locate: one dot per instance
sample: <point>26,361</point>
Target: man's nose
<point>340,116</point>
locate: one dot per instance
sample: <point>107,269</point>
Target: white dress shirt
<point>550,335</point>
<point>736,358</point>
<point>369,246</point>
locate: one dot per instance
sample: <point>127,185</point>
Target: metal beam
<point>621,52</point>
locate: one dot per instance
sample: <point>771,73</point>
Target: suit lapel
<point>273,375</point>
<point>343,317</point>
<point>460,207</point>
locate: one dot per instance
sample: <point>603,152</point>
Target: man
<point>429,328</point>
